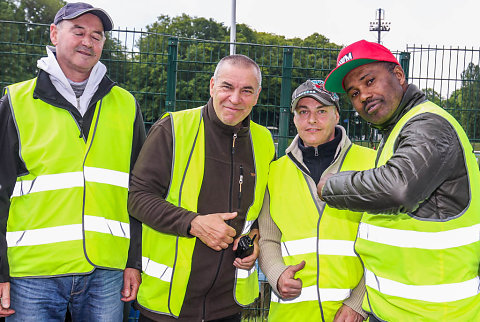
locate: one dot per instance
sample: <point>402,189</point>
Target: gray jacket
<point>425,177</point>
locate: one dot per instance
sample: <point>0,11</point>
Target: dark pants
<point>232,318</point>
<point>373,319</point>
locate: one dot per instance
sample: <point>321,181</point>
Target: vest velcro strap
<point>58,181</point>
<point>418,239</point>
<point>429,293</point>
<point>245,273</point>
<point>325,247</point>
<point>107,226</point>
<point>154,269</point>
<point>310,294</point>
<point>64,233</point>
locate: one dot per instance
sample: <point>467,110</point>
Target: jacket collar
<point>412,97</point>
<point>295,153</point>
<point>210,115</point>
<point>45,91</point>
<point>61,93</point>
<point>330,147</point>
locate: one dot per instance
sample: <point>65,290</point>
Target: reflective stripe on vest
<point>160,271</point>
<point>75,192</point>
<point>310,294</point>
<point>423,269</point>
<point>247,227</point>
<point>70,180</point>
<point>167,268</point>
<point>68,232</point>
<point>427,293</point>
<point>420,239</point>
<point>312,245</point>
<point>164,272</point>
<point>322,237</point>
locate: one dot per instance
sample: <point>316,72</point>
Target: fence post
<point>285,100</point>
<point>171,74</point>
<point>405,63</point>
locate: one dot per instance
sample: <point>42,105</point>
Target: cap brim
<point>334,81</point>
<point>318,98</point>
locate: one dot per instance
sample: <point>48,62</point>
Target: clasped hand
<point>213,230</point>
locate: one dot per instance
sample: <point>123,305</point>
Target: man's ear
<point>53,34</point>
<point>212,82</point>
<point>258,94</point>
<point>399,74</point>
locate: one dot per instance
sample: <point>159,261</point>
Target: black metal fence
<point>451,78</point>
<point>167,73</point>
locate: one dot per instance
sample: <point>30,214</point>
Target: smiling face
<point>79,43</point>
<point>234,91</point>
<point>315,122</point>
<point>375,91</point>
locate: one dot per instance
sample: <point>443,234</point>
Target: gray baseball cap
<point>76,9</point>
<point>315,89</point>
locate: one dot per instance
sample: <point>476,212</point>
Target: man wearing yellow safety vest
<point>68,140</point>
<point>419,238</point>
<point>197,187</point>
<point>306,249</point>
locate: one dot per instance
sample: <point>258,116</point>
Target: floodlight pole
<point>233,28</point>
<point>380,25</point>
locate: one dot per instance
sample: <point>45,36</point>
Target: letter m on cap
<point>345,58</point>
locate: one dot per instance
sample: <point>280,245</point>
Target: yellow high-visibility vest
<point>69,213</point>
<point>322,236</point>
<point>166,259</point>
<point>418,269</point>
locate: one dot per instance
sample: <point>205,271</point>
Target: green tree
<point>19,62</point>
<point>433,96</point>
<point>9,11</point>
<point>469,101</point>
<point>195,61</point>
<point>201,44</point>
<point>40,11</point>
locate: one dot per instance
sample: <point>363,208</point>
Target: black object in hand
<point>245,246</point>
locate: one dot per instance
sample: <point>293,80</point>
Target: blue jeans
<point>92,297</point>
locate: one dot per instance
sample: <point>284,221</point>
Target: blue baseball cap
<point>76,9</point>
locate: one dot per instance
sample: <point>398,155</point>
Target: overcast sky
<point>419,22</point>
